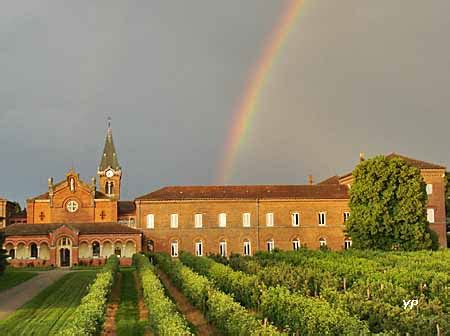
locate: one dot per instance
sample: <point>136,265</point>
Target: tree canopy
<point>388,204</point>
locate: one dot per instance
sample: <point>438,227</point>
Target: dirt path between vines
<point>143,311</point>
<point>192,314</point>
<point>109,327</point>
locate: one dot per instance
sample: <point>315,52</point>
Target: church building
<point>74,222</point>
<point>77,222</point>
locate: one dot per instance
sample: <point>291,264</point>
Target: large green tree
<point>388,204</point>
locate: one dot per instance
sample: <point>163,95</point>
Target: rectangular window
<point>222,220</point>
<point>198,220</point>
<point>430,215</point>
<point>429,189</point>
<point>247,248</point>
<point>295,219</point>
<point>174,221</point>
<point>270,245</point>
<point>322,218</point>
<point>246,219</point>
<point>269,219</point>
<point>346,215</point>
<point>223,248</point>
<point>150,221</point>
<point>296,244</point>
<point>174,248</point>
<point>199,248</point>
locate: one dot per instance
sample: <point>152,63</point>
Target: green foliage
<point>89,316</point>
<point>163,315</point>
<point>3,254</point>
<point>221,309</point>
<point>11,279</point>
<point>308,316</point>
<point>246,288</point>
<point>388,206</point>
<point>49,311</point>
<point>376,283</point>
<point>252,292</point>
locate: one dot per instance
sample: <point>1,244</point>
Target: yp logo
<point>410,304</point>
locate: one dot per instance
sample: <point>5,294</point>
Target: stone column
<point>38,252</point>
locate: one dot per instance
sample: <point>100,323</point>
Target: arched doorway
<point>64,248</point>
<point>64,257</point>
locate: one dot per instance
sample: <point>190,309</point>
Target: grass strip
<point>127,316</point>
<point>49,311</point>
<point>12,279</point>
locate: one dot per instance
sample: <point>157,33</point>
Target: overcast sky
<point>354,76</point>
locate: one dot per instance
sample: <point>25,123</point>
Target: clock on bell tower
<point>109,171</point>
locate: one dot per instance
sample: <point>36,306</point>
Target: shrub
<point>90,314</point>
<point>163,315</point>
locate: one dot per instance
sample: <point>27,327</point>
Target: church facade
<point>76,222</point>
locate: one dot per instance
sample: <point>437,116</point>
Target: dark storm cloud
<point>353,76</point>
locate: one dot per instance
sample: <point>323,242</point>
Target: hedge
<point>221,310</point>
<point>90,314</point>
<point>163,315</point>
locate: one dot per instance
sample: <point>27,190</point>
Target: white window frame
<point>223,248</point>
<point>269,219</point>
<point>430,215</point>
<point>150,224</point>
<point>322,242</point>
<point>247,248</point>
<point>174,248</point>
<point>346,215</point>
<point>222,220</point>
<point>246,219</point>
<point>322,218</point>
<point>174,221</point>
<point>295,219</point>
<point>347,244</point>
<point>198,221</point>
<point>270,244</point>
<point>296,245</point>
<point>429,189</point>
<point>199,248</point>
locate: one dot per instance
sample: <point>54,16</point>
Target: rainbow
<point>247,105</point>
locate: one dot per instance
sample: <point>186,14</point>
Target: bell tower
<point>109,172</point>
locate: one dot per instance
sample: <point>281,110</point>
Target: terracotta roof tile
<point>416,163</point>
<point>83,228</point>
<point>331,180</point>
<point>249,192</point>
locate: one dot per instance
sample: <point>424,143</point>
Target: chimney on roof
<point>310,180</point>
<point>361,157</point>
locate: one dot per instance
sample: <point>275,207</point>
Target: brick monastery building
<point>77,222</point>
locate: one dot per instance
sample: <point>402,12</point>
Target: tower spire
<point>109,157</point>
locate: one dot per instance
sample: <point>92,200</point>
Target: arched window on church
<point>33,250</point>
<point>95,249</point>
